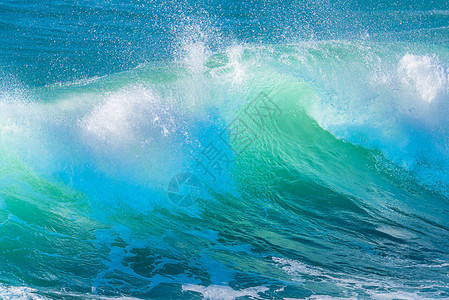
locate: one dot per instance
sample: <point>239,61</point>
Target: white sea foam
<point>354,287</point>
<point>425,75</point>
<point>18,293</point>
<point>223,292</point>
<point>127,115</point>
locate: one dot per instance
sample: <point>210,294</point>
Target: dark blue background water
<point>58,41</point>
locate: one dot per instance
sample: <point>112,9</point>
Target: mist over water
<point>261,150</point>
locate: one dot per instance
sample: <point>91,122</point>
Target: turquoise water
<point>251,150</point>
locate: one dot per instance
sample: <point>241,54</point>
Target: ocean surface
<point>224,149</point>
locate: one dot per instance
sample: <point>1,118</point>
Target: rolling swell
<point>341,192</point>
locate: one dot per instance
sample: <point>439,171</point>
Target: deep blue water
<point>59,41</point>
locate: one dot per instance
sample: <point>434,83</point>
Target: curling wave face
<point>340,188</point>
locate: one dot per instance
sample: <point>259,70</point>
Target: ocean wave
<point>340,187</point>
